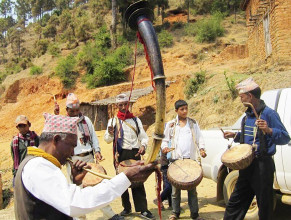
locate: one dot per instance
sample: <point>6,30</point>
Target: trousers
<point>255,180</point>
<point>138,192</point>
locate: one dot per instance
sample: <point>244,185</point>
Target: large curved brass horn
<point>139,17</point>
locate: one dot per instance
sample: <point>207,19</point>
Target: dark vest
<point>28,207</point>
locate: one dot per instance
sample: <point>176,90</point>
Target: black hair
<point>256,92</point>
<point>180,103</point>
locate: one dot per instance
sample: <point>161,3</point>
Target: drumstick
<point>171,149</point>
<point>222,131</point>
<point>92,172</point>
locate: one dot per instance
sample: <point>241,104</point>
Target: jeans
<point>192,201</point>
<point>167,187</point>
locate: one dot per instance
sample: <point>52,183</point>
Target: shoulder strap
<point>135,120</point>
<point>129,125</point>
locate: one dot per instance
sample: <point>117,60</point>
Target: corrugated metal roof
<point>136,93</point>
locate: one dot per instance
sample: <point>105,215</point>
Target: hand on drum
<point>139,172</point>
<point>98,156</point>
<point>166,150</point>
<point>203,153</point>
<point>77,171</point>
<point>228,134</point>
<point>263,125</point>
<point>141,150</point>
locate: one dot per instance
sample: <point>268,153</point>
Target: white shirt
<point>83,148</point>
<point>183,136</point>
<point>47,183</point>
<point>183,143</point>
<point>130,139</point>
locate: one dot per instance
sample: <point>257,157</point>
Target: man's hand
<point>203,153</point>
<point>110,130</point>
<point>263,125</point>
<point>98,156</point>
<point>228,134</point>
<point>57,109</point>
<point>139,172</point>
<point>166,150</point>
<point>141,150</point>
<point>77,171</point>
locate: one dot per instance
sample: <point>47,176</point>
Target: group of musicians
<point>73,135</point>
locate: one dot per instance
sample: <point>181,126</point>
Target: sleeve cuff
<point>121,178</point>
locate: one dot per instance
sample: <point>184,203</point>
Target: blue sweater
<point>279,135</point>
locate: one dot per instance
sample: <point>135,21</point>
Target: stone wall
<point>280,30</point>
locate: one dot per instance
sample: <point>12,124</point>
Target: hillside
<point>212,105</point>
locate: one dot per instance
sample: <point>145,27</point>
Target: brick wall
<point>280,30</point>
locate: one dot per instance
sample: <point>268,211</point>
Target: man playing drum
<point>129,142</point>
<point>186,138</point>
<point>87,144</point>
<point>266,132</point>
<point>41,189</point>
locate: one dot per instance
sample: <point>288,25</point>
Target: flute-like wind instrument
<point>94,173</point>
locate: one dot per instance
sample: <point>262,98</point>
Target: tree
<point>15,36</point>
<point>163,4</point>
<point>6,7</point>
<point>3,50</point>
<point>114,24</point>
<point>23,10</point>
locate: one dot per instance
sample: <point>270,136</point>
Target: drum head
<point>185,174</point>
<point>238,157</point>
<point>90,179</point>
<point>236,153</point>
<point>124,165</point>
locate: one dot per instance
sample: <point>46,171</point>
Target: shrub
<point>165,39</point>
<point>110,70</point>
<point>83,28</point>
<point>231,86</point>
<point>209,29</point>
<point>41,47</point>
<point>3,75</point>
<point>193,84</point>
<point>35,70</point>
<point>49,31</point>
<point>102,39</point>
<point>24,63</point>
<point>190,29</point>
<point>177,25</point>
<point>54,49</point>
<point>65,70</point>
<point>89,57</point>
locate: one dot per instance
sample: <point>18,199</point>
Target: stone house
<point>269,31</point>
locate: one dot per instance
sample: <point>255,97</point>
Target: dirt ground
<point>210,209</point>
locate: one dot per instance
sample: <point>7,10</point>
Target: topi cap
<point>122,98</point>
<point>21,119</point>
<point>59,123</point>
<point>246,85</point>
<point>72,101</point>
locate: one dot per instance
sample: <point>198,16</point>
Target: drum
<point>185,174</point>
<point>238,157</point>
<point>123,166</point>
<point>90,179</point>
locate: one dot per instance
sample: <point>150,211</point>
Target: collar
<point>41,153</point>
